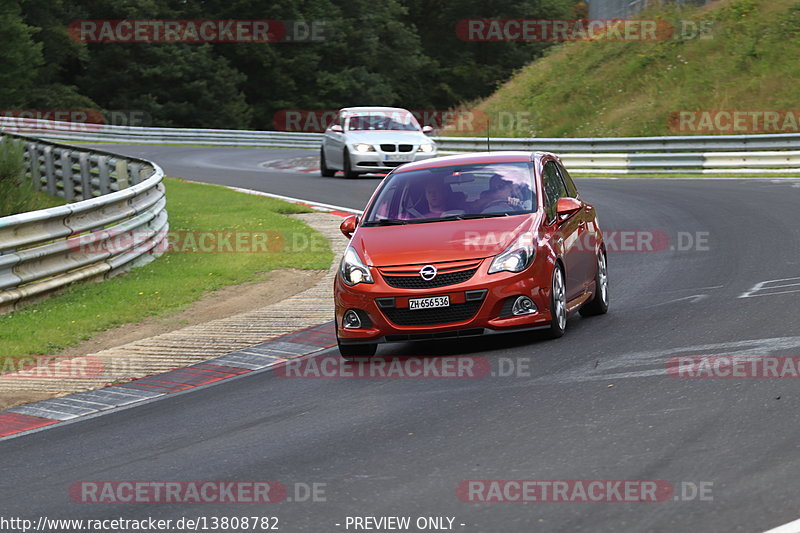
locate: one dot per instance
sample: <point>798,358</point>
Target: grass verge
<point>180,277</point>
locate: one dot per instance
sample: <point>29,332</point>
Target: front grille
<point>430,317</point>
<point>441,280</point>
<point>406,147</point>
<point>388,148</point>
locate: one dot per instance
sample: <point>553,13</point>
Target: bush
<point>17,193</point>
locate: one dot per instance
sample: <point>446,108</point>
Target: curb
<point>47,413</point>
<point>27,418</point>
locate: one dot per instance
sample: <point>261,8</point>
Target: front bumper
<point>378,161</point>
<point>469,316</point>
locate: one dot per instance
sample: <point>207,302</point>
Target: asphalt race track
<point>597,404</point>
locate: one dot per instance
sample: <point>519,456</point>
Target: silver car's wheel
<point>348,169</point>
<point>558,304</point>
<point>323,165</point>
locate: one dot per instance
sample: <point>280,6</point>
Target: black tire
<point>599,303</point>
<point>348,170</point>
<point>353,352</point>
<point>323,167</point>
<point>558,304</point>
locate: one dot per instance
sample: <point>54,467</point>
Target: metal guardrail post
<point>104,183</point>
<point>49,169</point>
<point>68,186</point>
<point>86,178</point>
<point>122,174</point>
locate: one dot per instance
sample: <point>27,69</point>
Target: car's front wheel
<point>558,304</point>
<point>356,351</point>
<point>599,304</point>
<point>323,166</point>
<point>348,169</point>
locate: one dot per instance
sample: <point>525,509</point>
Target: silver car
<point>373,139</point>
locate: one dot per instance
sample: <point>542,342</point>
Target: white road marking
<point>791,527</point>
<point>652,363</point>
<point>760,288</point>
<point>691,299</point>
<point>312,203</point>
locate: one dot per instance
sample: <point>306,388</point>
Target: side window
<point>572,190</point>
<point>553,188</point>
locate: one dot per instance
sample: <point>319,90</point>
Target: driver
<point>437,195</point>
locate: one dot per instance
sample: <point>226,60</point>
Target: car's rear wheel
<point>348,169</point>
<point>356,351</point>
<point>599,304</point>
<point>558,304</point>
<point>323,167</point>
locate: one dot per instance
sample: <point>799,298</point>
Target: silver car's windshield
<point>383,121</point>
<point>454,192</point>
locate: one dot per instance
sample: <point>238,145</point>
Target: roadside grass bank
<point>731,55</point>
<point>218,237</point>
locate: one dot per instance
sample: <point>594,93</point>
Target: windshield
<point>389,120</point>
<point>456,192</point>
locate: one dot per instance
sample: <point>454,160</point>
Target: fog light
<point>351,320</point>
<point>523,306</point>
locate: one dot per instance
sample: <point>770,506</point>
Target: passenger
<point>500,191</point>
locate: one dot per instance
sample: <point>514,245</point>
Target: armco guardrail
<point>119,222</point>
<point>713,154</point>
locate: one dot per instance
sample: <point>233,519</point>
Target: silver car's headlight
<point>363,147</point>
<point>517,257</point>
<point>353,270</point>
<point>425,148</point>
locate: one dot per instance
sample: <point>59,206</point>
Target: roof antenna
<point>488,143</point>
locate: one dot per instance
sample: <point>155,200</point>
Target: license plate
<point>429,303</point>
<point>397,157</point>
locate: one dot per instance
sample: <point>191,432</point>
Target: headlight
<point>353,271</point>
<point>425,148</point>
<point>517,257</point>
<point>363,147</point>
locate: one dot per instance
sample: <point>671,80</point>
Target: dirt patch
<point>14,398</point>
<point>225,302</point>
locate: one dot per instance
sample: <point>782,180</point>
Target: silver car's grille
<point>389,147</point>
<point>406,147</point>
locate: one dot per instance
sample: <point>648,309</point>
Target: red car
<point>469,245</point>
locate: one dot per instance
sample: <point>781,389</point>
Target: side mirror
<point>568,206</point>
<point>427,129</point>
<point>349,225</point>
<point>337,128</point>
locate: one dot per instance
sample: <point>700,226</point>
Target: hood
<point>387,137</point>
<point>435,242</point>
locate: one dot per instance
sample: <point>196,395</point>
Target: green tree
<point>64,58</point>
<point>21,57</point>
